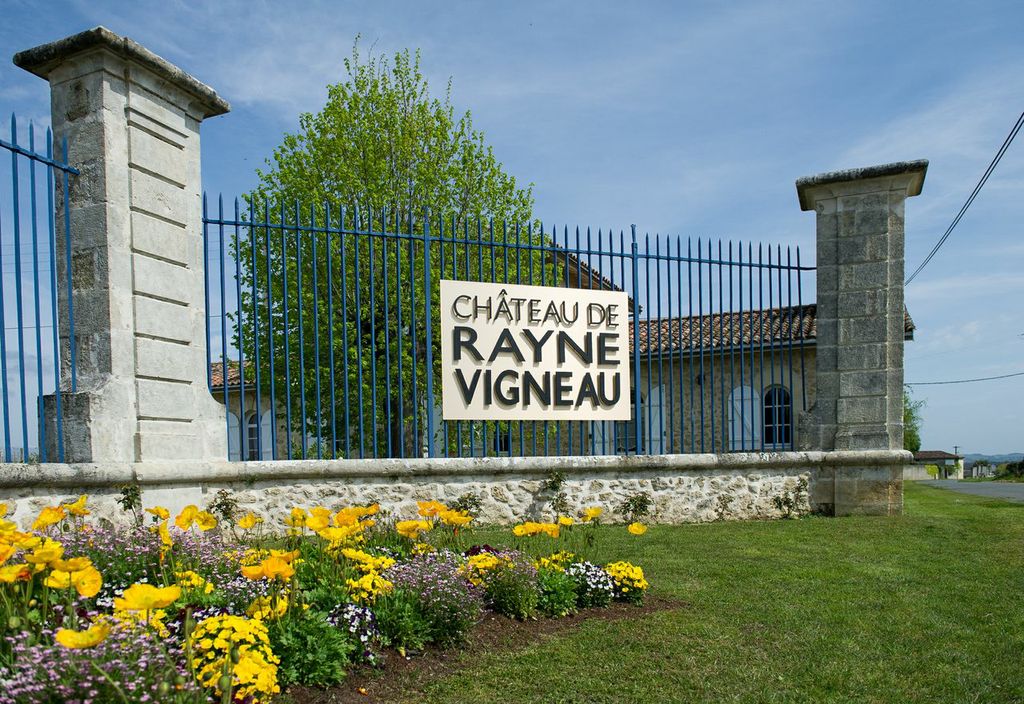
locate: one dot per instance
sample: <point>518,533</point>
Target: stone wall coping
<point>43,59</point>
<point>915,171</point>
<point>197,472</point>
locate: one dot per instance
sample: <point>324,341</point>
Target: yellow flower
<point>368,587</point>
<point>58,579</point>
<point>185,519</point>
<point>455,518</point>
<point>249,521</point>
<point>190,580</point>
<point>263,608</point>
<point>144,597</point>
<point>591,513</point>
<point>429,509</point>
<point>205,521</point>
<point>49,516</point>
<point>87,582</point>
<point>637,528</point>
<point>3,510</point>
<point>77,507</point>
<point>15,573</point>
<point>565,520</point>
<point>318,521</point>
<point>296,519</point>
<point>165,534</point>
<point>6,552</point>
<point>411,529</point>
<point>532,528</point>
<point>73,565</point>
<point>94,635</point>
<point>273,567</point>
<point>160,512</point>
<point>49,551</point>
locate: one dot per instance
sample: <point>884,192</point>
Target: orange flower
<point>429,509</point>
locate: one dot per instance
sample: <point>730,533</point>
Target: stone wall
<point>685,488</point>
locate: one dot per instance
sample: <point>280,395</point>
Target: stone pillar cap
<point>915,170</point>
<point>43,59</point>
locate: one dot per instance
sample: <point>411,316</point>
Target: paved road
<point>994,490</point>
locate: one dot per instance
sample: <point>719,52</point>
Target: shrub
<point>512,586</point>
<point>594,586</point>
<point>401,621</point>
<point>557,593</point>
<point>312,651</point>
<point>448,601</point>
<point>635,507</point>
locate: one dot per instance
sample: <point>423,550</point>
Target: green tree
<point>382,155</point>
<point>911,422</point>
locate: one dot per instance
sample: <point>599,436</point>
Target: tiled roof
<point>928,455</point>
<point>714,331</point>
<point>747,328</point>
<point>217,374</point>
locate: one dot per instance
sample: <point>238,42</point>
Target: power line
<point>963,381</point>
<point>974,194</point>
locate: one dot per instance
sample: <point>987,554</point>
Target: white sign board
<point>513,352</point>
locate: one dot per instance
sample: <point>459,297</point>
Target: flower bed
<point>225,608</point>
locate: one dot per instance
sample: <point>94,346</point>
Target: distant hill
<point>994,459</point>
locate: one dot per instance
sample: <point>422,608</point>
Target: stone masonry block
<point>160,238</point>
<point>854,331</point>
<point>157,156</point>
<point>162,319</point>
<point>164,360</point>
<point>862,383</point>
<point>853,304</point>
<point>163,400</point>
<point>861,357</point>
<point>866,409</point>
<point>163,199</point>
<point>858,277</point>
<point>161,279</point>
<point>158,110</point>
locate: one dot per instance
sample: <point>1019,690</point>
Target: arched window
<point>252,437</point>
<point>778,418</point>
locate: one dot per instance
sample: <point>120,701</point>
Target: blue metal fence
<point>322,344</point>
<point>31,307</point>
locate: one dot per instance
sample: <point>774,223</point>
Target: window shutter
<point>234,449</point>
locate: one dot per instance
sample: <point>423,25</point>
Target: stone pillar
<point>860,322</point>
<point>132,124</point>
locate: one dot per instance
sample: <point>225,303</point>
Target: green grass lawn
<point>928,607</point>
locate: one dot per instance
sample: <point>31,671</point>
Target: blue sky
<point>684,118</point>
